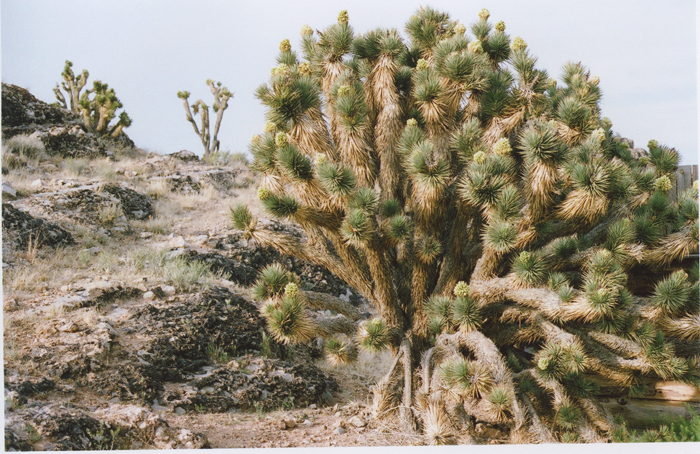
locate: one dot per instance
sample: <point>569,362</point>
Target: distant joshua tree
<point>512,247</point>
<point>97,106</point>
<point>221,97</point>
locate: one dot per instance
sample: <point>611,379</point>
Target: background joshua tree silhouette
<point>514,249</point>
<point>221,96</point>
<point>97,106</point>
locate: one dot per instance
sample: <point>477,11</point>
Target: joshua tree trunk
<point>492,218</point>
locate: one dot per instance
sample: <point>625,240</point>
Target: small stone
<point>69,327</point>
<point>65,288</point>
<point>36,183</point>
<point>312,406</point>
<point>339,431</point>
<point>169,290</point>
<point>8,190</point>
<point>308,423</point>
<point>180,410</point>
<point>357,421</point>
<point>286,424</point>
<point>149,296</point>
<point>146,234</point>
<point>179,242</point>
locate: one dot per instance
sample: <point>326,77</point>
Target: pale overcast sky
<point>644,51</point>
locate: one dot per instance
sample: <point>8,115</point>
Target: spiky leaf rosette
<point>241,217</point>
<point>466,313</point>
<point>530,268</point>
<point>568,416</point>
<point>373,335</point>
<point>288,323</point>
<point>272,282</point>
<point>466,378</point>
<point>672,294</point>
<point>500,400</point>
<point>339,352</point>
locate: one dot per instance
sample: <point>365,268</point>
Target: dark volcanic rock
<point>19,107</point>
<point>70,141</point>
<point>267,384</point>
<point>61,132</point>
<point>183,184</point>
<point>219,319</point>
<point>185,155</point>
<point>134,205</point>
<point>248,255</point>
<point>21,227</point>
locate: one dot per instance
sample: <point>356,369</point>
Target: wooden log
<point>671,391</point>
<point>648,413</point>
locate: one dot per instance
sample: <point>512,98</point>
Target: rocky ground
<point>127,317</point>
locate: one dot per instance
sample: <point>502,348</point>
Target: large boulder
<point>70,141</point>
<point>21,228</point>
<point>135,205</point>
<point>61,132</point>
<point>21,108</point>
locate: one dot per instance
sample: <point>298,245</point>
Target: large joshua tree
<point>489,215</point>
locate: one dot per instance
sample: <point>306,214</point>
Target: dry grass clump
<point>22,150</point>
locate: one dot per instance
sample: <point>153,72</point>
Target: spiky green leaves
<point>288,323</point>
<point>337,180</point>
<point>290,96</point>
<point>427,27</point>
<point>465,140</point>
<point>592,183</point>
<point>400,228</point>
<point>272,282</point>
<point>540,143</point>
<point>665,160</point>
<point>500,400</point>
<point>241,217</point>
<point>349,102</point>
<point>281,206</point>
<point>466,378</point>
<point>555,361</point>
<point>501,236</point>
<point>497,47</point>
<point>568,416</point>
<point>574,114</point>
<point>672,294</point>
<point>339,352</point>
<point>357,228</point>
<point>373,335</point>
<point>293,163</point>
<point>364,199</point>
<point>481,188</point>
<point>426,168</point>
<point>530,268</point>
<point>428,248</point>
<point>466,313</point>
